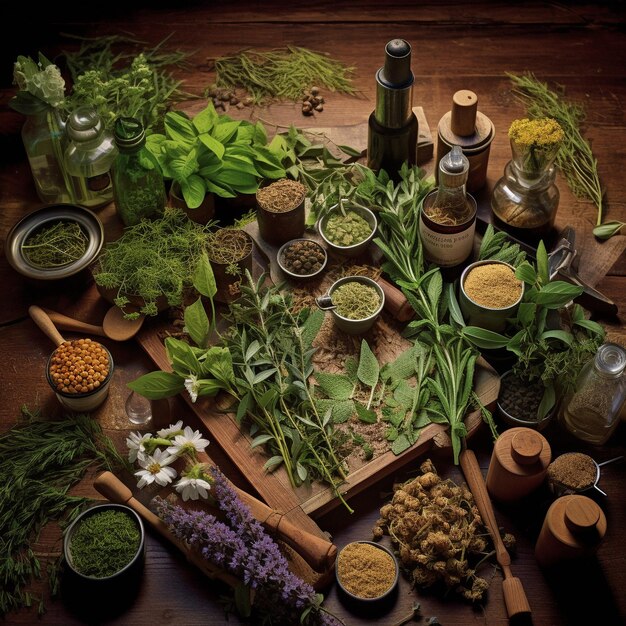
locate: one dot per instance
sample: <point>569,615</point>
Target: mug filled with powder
<point>489,294</point>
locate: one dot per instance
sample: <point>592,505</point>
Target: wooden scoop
<point>512,589</point>
<point>40,317</point>
<point>318,553</point>
<point>114,325</point>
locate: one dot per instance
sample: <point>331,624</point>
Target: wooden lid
<point>581,514</point>
<point>576,521</point>
<point>526,446</point>
<point>464,109</point>
<point>523,451</point>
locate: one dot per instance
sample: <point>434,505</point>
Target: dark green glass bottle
<point>138,188</point>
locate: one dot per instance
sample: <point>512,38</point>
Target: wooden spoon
<point>114,326</point>
<point>40,317</point>
<point>512,589</point>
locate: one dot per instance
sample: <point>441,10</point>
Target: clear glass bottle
<point>525,200</point>
<point>448,215</point>
<point>138,188</point>
<point>88,158</point>
<point>43,135</point>
<point>591,412</point>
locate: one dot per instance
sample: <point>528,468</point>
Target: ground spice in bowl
<point>493,285</point>
<point>366,570</point>
<point>355,301</point>
<point>574,471</point>
<point>281,196</point>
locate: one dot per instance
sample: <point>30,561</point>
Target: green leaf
<point>557,294</point>
<point>259,377</point>
<point>526,272</point>
<point>193,190</point>
<point>302,471</point>
<point>453,306</point>
<point>435,285</point>
<point>225,130</point>
<point>206,119</point>
<point>335,386</point>
<point>403,367</point>
<point>182,357</point>
<point>351,366</point>
<point>197,323</point>
<point>483,338</point>
<point>260,440</point>
<point>353,152</point>
<point>179,128</point>
<point>543,270</point>
<point>203,277</point>
<point>365,415</point>
<point>608,229</point>
<point>157,385</point>
<point>404,393</point>
<point>342,411</point>
<point>243,600</point>
<point>209,387</point>
<point>526,313</point>
<point>561,335</point>
<point>244,406</point>
<point>215,146</point>
<point>401,444</point>
<point>368,370</point>
<point>273,463</point>
<point>218,362</point>
<point>548,401</point>
<point>594,327</point>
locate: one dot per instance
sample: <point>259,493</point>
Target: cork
<point>463,114</point>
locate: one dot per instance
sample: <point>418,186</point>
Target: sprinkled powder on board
<point>365,570</point>
<point>493,285</point>
<point>281,196</point>
<point>574,470</point>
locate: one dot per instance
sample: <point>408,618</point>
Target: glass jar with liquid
<point>88,158</point>
<point>591,412</point>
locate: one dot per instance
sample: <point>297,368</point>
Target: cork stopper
<point>581,515</point>
<point>464,110</point>
<point>526,447</point>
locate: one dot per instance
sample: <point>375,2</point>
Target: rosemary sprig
<point>282,73</point>
<point>576,159</point>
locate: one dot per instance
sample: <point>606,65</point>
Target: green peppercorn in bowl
<point>104,545</point>
<point>54,242</point>
<point>348,230</point>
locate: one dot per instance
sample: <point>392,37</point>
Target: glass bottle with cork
<point>448,215</point>
<point>88,158</point>
<point>591,412</point>
<point>138,188</point>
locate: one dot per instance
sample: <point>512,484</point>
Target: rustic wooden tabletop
<point>456,45</point>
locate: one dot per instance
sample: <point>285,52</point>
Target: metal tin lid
<point>129,134</point>
<point>84,124</point>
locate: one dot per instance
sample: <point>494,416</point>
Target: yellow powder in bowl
<point>366,570</point>
<point>493,285</point>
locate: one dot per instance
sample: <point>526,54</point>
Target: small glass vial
<point>138,188</point>
<point>591,412</point>
<point>448,215</point>
<point>88,158</point>
<point>573,527</point>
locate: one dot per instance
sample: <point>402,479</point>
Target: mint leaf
<point>157,385</point>
<point>401,444</point>
<point>197,323</point>
<point>365,415</point>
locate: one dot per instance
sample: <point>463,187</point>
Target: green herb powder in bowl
<point>348,229</point>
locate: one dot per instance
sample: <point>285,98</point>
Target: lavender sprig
<point>242,547</point>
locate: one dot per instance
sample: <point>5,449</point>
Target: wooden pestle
<point>40,317</point>
<point>74,325</point>
<point>318,553</point>
<point>512,589</point>
<point>396,302</point>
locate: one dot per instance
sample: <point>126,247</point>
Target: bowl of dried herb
<point>54,242</point>
<point>366,571</point>
<point>105,545</point>
<point>280,210</point>
<point>348,230</point>
<point>302,258</point>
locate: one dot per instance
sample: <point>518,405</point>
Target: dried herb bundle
<point>282,73</point>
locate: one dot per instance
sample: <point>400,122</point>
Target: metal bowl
<point>283,249</point>
<point>24,228</point>
<point>357,248</point>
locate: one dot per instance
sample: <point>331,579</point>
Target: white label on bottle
<point>447,249</point>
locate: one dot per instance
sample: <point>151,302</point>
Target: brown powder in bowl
<point>493,285</point>
<point>365,570</point>
<point>281,196</point>
<point>573,470</point>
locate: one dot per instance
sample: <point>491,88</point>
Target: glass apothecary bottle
<point>525,200</point>
<point>591,412</point>
<point>44,139</point>
<point>138,188</point>
<point>88,158</point>
<point>448,214</point>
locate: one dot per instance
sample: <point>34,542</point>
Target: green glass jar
<point>138,188</point>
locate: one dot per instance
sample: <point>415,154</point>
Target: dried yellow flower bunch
<point>544,131</point>
<point>438,533</point>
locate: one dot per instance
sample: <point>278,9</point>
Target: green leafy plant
<point>153,259</point>
<point>551,342</point>
<point>214,153</point>
<point>40,85</point>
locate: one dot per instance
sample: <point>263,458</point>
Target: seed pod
<point>240,105</point>
<point>249,101</point>
<point>234,100</point>
<point>319,107</point>
<point>315,91</point>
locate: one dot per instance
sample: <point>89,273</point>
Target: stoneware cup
<point>479,315</point>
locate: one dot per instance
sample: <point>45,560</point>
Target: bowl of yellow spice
<point>490,293</point>
<point>366,571</point>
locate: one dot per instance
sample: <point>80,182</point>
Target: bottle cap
<point>453,168</point>
<point>581,514</point>
<point>129,134</point>
<point>397,70</point>
<point>611,359</point>
<point>84,124</point>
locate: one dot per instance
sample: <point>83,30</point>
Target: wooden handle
<point>40,317</point>
<point>69,323</point>
<point>396,302</point>
<point>514,596</point>
<point>116,491</point>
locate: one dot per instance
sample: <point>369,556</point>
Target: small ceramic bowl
<point>347,325</point>
<point>46,216</point>
<point>516,420</point>
<point>82,402</point>
<point>486,317</point>
<point>130,571</point>
<point>357,248</point>
<point>360,571</point>
<point>280,258</point>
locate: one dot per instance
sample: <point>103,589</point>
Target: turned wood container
<point>518,465</point>
<point>573,527</point>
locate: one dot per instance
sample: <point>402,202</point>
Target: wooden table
<point>455,46</point>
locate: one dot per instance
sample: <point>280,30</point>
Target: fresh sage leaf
<point>335,386</point>
<point>157,385</point>
<point>368,370</point>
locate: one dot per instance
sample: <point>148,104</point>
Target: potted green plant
<point>214,154</point>
<point>550,337</point>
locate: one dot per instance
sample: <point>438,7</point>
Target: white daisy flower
<point>191,385</point>
<point>192,488</point>
<point>189,441</point>
<point>155,469</point>
<point>164,433</point>
<point>136,445</point>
